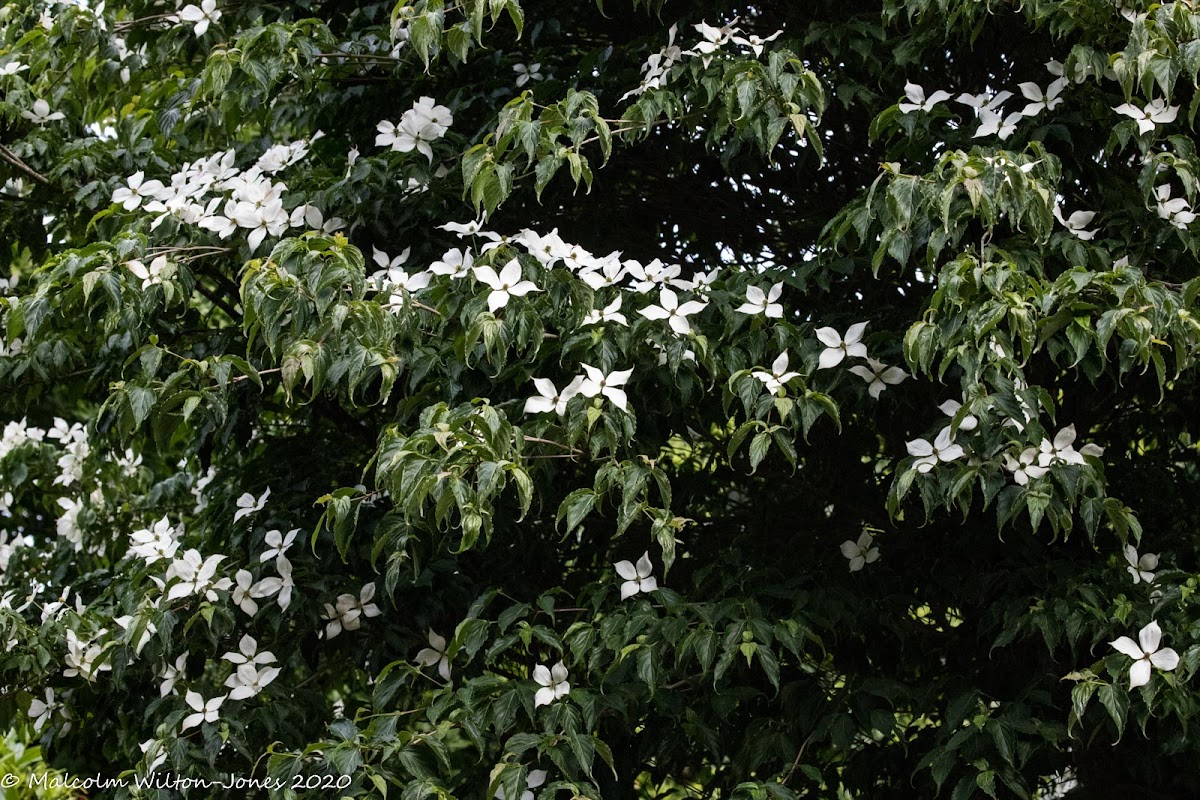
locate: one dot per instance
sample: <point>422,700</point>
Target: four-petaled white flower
<point>248,653</point>
<point>200,16</point>
<point>610,313</point>
<point>277,544</point>
<point>550,399</point>
<point>12,68</point>
<point>1145,653</point>
<point>172,674</point>
<point>1077,222</point>
<point>553,682</point>
<point>149,275</point>
<point>860,552</point>
<point>676,315</point>
<point>1141,568</point>
<point>455,263</point>
<point>525,74</point>
<point>950,409</point>
<point>506,285</point>
<point>1025,466</point>
<point>137,188</point>
<point>760,302</point>
<point>533,780</point>
<point>878,376</point>
<point>41,711</point>
<point>638,577</point>
<point>1042,101</point>
<point>838,347</point>
<point>248,681</point>
<point>1156,112</point>
<point>597,383</point>
<point>1176,211</point>
<point>247,505</point>
<point>1061,449</point>
<point>994,123</point>
<point>40,113</point>
<point>917,101</point>
<point>206,710</point>
<point>435,654</point>
<point>778,376</point>
<point>928,455</point>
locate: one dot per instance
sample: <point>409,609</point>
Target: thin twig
<point>11,157</point>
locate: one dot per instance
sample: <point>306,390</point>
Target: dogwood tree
<point>599,399</point>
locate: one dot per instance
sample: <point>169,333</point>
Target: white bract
<point>172,674</point>
<point>1061,449</point>
<point>917,101</point>
<point>206,710</point>
<point>1025,466</point>
<point>676,315</point>
<point>200,16</point>
<point>760,302</point>
<point>277,544</point>
<point>506,285</point>
<point>1145,653</point>
<point>994,123</point>
<point>1154,113</point>
<point>550,399</point>
<point>778,376</point>
<point>533,780</point>
<point>247,681</point>
<point>40,113</point>
<point>425,122</point>
<point>149,275</point>
<point>861,552</point>
<point>1042,101</point>
<point>950,409</point>
<point>248,505</point>
<point>637,577</point>
<point>878,376</point>
<point>553,682</point>
<point>1176,210</point>
<point>610,313</point>
<point>929,454</point>
<point>525,74</point>
<point>435,654</point>
<point>1140,567</point>
<point>597,383</point>
<point>137,188</point>
<point>455,263</point>
<point>837,347</point>
<point>1077,222</point>
<point>248,653</point>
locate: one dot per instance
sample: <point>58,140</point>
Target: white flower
<point>1061,449</point>
<point>1175,211</point>
<point>837,347</point>
<point>149,275</point>
<point>247,505</point>
<point>550,399</point>
<point>504,286</point>
<point>206,711</point>
<point>860,552</point>
<point>1024,466</point>
<point>154,750</point>
<point>983,101</point>
<point>638,578</point>
<point>243,592</point>
<point>1141,568</point>
<point>41,711</point>
<point>1042,101</point>
<point>12,68</point>
<point>759,302</point>
<point>136,189</point>
<point>534,779</point>
<point>778,376</point>
<point>1145,652</point>
<point>878,376</point>
<point>158,542</point>
<point>917,100</point>
<point>41,113</point>
<point>196,576</point>
<point>1153,113</point>
<point>129,622</point>
<point>455,263</point>
<point>201,16</point>
<point>525,74</point>
<point>670,310</point>
<point>756,44</point>
<point>248,681</point>
<point>435,654</point>
<point>994,123</point>
<point>277,544</point>
<point>599,383</point>
<point>553,682</point>
<point>248,653</point>
<point>928,455</point>
<point>610,313</point>
<point>951,407</point>
<point>1077,222</point>
<point>173,674</point>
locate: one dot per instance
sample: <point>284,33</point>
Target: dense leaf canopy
<point>354,353</point>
